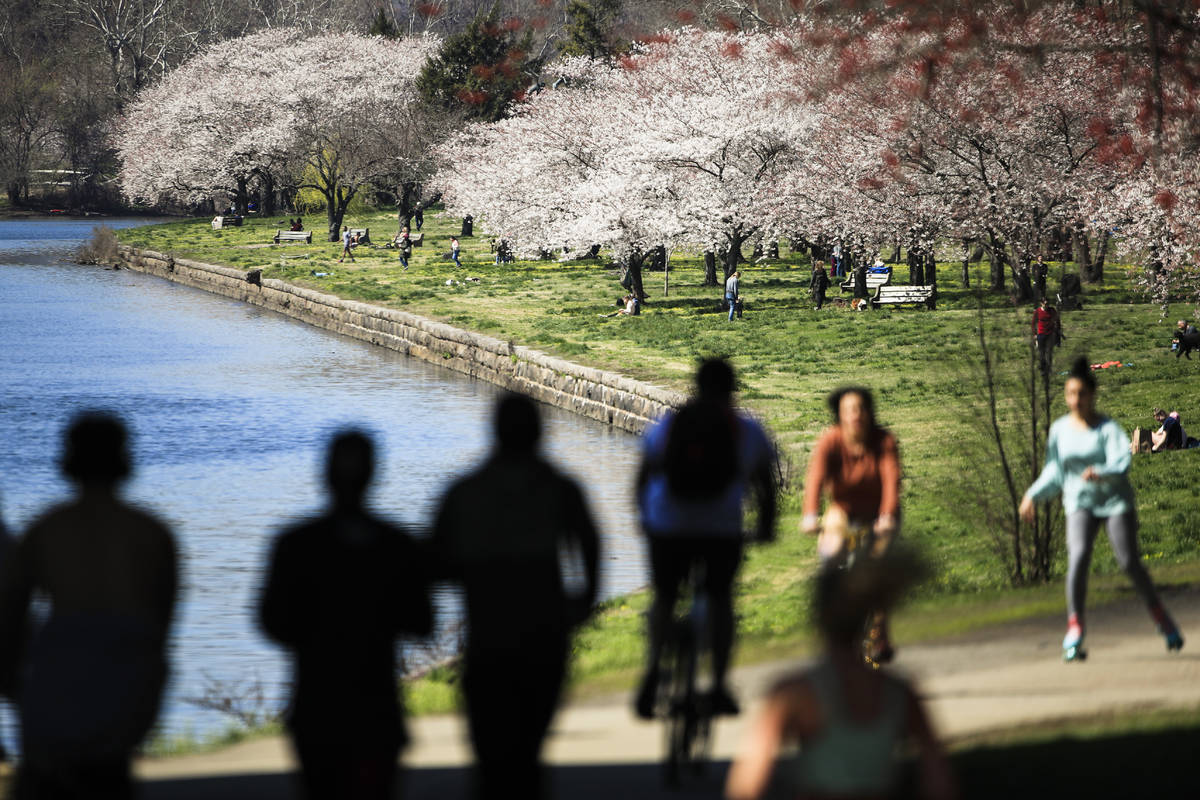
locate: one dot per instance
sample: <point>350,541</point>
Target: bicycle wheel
<point>681,700</point>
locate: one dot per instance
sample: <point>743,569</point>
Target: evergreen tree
<point>481,70</point>
<point>589,28</point>
<point>382,26</point>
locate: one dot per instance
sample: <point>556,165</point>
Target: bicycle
<point>858,541</point>
<point>686,711</point>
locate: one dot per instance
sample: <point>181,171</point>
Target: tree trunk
<point>1095,270</point>
<point>241,198</point>
<point>634,267</point>
<point>895,259</point>
<point>1083,250</point>
<point>734,254</point>
<point>710,268</point>
<point>916,275</point>
<point>268,194</point>
<point>996,260</point>
<point>966,263</point>
<point>931,270</point>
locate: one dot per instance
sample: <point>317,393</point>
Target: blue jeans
<point>732,304</point>
<point>456,261</point>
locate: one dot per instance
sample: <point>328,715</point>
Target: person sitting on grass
<point>1170,435</point>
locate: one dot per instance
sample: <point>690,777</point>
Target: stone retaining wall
<point>604,396</point>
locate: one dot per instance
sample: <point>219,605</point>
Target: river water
<point>230,408</point>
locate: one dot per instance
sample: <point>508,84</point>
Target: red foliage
<point>731,50</point>
<point>512,24</point>
<point>429,10</point>
<point>685,17</point>
<point>473,98</point>
<point>890,159</point>
<point>483,71</point>
<point>727,23</point>
<point>1166,199</point>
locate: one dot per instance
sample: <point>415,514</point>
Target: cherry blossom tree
<point>681,144</point>
<point>340,109</point>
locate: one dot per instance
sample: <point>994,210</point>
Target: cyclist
<point>859,462</point>
<point>697,467</point>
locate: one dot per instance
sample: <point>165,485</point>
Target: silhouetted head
<point>95,450</point>
<point>1080,388</point>
<point>845,598</point>
<point>715,380</point>
<point>518,424</point>
<point>350,465</point>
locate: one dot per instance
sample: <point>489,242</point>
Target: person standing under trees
<point>819,284</point>
<point>697,467</point>
<point>419,218</point>
<point>732,294</point>
<point>404,246</point>
<point>1087,462</point>
<point>454,248</point>
<point>850,720</point>
<point>858,461</point>
<point>347,242</point>
<point>503,533</point>
<point>92,676</point>
<point>340,590</point>
<point>1039,278</point>
<point>1047,332</point>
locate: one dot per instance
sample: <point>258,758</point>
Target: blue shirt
<point>1071,450</point>
<point>663,514</point>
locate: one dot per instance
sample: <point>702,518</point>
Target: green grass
<point>923,366</point>
<point>188,743</point>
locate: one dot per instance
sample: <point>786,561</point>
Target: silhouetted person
<point>89,679</point>
<point>500,533</point>
<point>6,549</point>
<point>341,589</point>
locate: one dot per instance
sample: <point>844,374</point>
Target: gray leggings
<point>1082,527</point>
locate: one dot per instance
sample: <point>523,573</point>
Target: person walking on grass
<point>819,284</point>
<point>1087,462</point>
<point>454,247</point>
<point>404,246</point>
<point>346,243</point>
<point>731,293</point>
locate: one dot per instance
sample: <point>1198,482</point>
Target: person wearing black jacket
<point>503,533</point>
<point>341,589</point>
<point>818,285</point>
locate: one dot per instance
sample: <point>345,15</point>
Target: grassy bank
<point>923,366</point>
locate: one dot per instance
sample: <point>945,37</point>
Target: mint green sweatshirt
<point>1070,451</point>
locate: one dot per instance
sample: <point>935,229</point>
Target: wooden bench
<point>898,295</point>
<point>226,222</point>
<point>414,239</point>
<point>363,234</point>
<point>282,236</point>
<point>874,281</point>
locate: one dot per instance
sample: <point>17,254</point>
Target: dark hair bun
<point>1082,371</point>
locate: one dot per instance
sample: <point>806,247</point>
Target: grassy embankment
<point>921,364</point>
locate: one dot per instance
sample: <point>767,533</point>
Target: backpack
<point>702,451</point>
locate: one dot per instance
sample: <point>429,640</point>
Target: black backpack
<point>702,451</point>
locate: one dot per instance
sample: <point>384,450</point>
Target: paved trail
<point>991,680</point>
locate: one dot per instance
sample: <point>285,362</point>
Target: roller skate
<point>1073,641</point>
<point>1166,626</point>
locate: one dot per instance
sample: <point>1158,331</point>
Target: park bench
<point>414,239</point>
<point>874,281</point>
<point>897,295</point>
<point>363,234</point>
<point>226,222</point>
<point>282,236</point>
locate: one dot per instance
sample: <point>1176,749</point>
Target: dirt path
<point>988,681</point>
